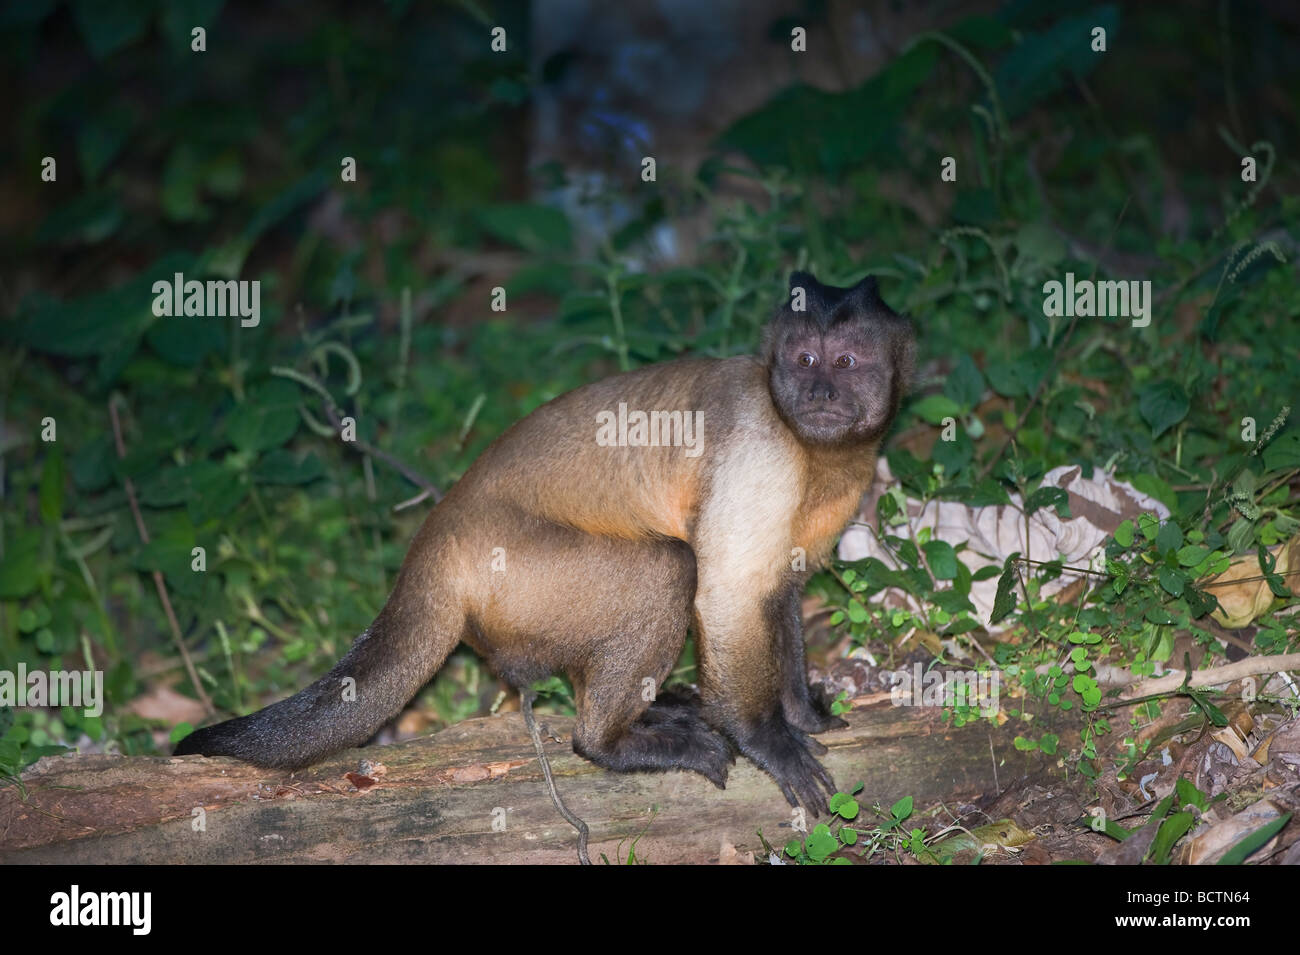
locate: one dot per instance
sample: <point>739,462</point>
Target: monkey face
<point>839,360</point>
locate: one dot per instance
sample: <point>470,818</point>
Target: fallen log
<point>474,793</point>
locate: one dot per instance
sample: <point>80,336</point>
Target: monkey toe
<point>785,753</point>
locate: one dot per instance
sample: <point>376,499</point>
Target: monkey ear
<point>805,292</point>
<point>803,280</point>
<point>867,292</point>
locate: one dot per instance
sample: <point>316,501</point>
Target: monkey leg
<point>619,729</point>
<point>612,614</point>
<point>742,688</point>
<point>801,710</point>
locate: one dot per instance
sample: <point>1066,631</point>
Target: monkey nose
<point>823,391</point>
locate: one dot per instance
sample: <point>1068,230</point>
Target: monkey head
<point>839,361</point>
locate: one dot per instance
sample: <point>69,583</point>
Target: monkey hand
<point>786,754</point>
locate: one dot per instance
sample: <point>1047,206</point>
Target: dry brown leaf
<point>164,704</point>
<point>1211,845</point>
<point>1242,602</point>
<point>730,855</point>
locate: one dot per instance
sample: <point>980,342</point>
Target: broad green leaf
<point>941,558</point>
<point>20,568</point>
<point>964,384</point>
<point>1162,405</point>
<point>267,418</point>
<point>934,408</point>
<point>530,226</point>
<point>1173,581</point>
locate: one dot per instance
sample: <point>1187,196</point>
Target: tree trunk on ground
<point>435,800</point>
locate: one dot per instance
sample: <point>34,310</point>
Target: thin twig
<point>357,443</point>
<point>526,698</point>
<point>157,574</point>
<point>365,447</point>
<point>1228,673</point>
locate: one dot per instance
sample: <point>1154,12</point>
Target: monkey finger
<point>817,749</point>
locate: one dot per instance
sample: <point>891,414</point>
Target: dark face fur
<point>838,369</point>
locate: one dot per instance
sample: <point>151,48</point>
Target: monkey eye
<point>807,359</point>
<point>845,361</point>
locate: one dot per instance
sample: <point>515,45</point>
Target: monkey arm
<point>786,619</point>
<point>742,550</point>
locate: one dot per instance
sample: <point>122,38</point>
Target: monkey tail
<point>386,666</point>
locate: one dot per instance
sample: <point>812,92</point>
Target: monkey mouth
<point>825,417</point>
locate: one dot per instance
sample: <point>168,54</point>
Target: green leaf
<point>180,731</point>
<point>50,495</point>
<point>1056,497</point>
<point>1240,852</point>
<point>178,194</point>
<point>934,408</point>
<point>1212,712</point>
<point>1005,601</point>
<point>266,419</point>
<point>1241,535</point>
<point>964,384</point>
<point>1159,616</point>
<point>941,558</point>
<point>763,135</point>
<point>1042,61</point>
<point>1171,830</point>
<point>821,843</point>
<point>1169,537</point>
<point>954,455</point>
<point>1124,534</point>
<point>101,139</point>
<point>20,569</point>
<point>1162,405</point>
<point>1283,452</point>
<point>1155,486</point>
<point>170,555</point>
<point>953,601</point>
<point>92,464</point>
<point>1019,376</point>
<point>1173,581</point>
<point>97,323</point>
<point>532,227</point>
<point>186,341</point>
<point>1189,795</point>
<point>1199,602</point>
<point>847,808</point>
<point>986,493</point>
<point>281,466</point>
<point>109,25</point>
<point>1038,246</point>
<point>901,809</point>
<point>179,17</point>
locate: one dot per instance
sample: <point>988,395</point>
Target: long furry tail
<point>387,665</point>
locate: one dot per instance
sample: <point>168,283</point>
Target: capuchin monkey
<point>586,539</point>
